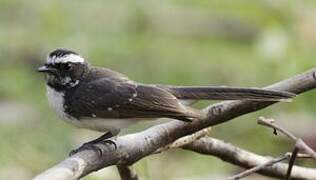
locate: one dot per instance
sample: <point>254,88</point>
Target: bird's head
<point>63,68</point>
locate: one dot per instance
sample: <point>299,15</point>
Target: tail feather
<point>189,114</point>
<point>228,93</point>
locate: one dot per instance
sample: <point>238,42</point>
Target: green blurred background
<point>187,42</point>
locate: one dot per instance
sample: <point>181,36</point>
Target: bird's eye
<point>67,66</point>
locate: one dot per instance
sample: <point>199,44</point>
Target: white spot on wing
<point>110,109</point>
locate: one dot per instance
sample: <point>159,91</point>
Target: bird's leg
<point>92,145</point>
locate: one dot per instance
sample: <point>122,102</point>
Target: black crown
<point>61,53</point>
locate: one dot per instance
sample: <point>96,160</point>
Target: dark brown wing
<point>152,101</point>
<point>122,98</point>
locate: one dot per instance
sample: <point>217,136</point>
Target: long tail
<point>227,93</point>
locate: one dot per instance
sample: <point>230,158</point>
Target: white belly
<point>102,125</point>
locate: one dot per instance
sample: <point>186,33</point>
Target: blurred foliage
<point>187,42</point>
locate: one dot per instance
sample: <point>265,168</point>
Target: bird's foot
<point>108,141</point>
<point>92,145</point>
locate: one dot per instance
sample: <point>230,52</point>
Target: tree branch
<point>133,147</point>
<point>246,159</point>
<point>184,141</point>
<point>258,168</point>
<point>299,143</point>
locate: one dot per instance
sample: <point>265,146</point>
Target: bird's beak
<point>45,69</point>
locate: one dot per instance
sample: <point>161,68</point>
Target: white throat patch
<point>56,100</point>
<point>72,58</point>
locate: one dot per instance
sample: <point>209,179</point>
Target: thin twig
<point>300,155</point>
<point>271,162</point>
<point>126,172</point>
<point>299,143</point>
<point>243,158</point>
<point>184,140</point>
<point>291,163</point>
<point>271,123</point>
<point>258,168</point>
<point>304,147</point>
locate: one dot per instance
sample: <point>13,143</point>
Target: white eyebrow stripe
<point>72,58</point>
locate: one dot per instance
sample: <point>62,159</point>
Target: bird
<point>103,100</point>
